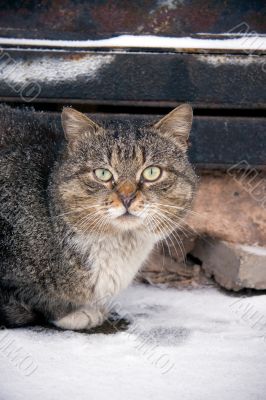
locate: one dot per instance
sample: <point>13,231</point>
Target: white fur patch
<point>114,261</point>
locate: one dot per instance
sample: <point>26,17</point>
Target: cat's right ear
<point>76,125</point>
<point>176,125</point>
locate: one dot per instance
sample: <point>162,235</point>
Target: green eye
<point>103,174</point>
<point>151,173</point>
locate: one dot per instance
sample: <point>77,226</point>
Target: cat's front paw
<point>81,319</point>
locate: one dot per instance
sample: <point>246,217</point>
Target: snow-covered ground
<point>189,344</point>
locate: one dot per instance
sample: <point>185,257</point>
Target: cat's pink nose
<point>127,200</point>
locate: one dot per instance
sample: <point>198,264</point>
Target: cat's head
<point>123,177</point>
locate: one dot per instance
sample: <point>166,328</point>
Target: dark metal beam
<point>115,77</point>
<point>215,142</point>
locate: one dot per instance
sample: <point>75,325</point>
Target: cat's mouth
<point>127,220</point>
<point>127,214</point>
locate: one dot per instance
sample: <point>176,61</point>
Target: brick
<point>232,207</point>
<point>233,266</point>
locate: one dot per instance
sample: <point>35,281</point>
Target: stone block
<point>233,266</point>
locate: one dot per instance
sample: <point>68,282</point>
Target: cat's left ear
<point>176,125</point>
<point>76,124</point>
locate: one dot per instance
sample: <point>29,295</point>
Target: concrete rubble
<point>233,266</point>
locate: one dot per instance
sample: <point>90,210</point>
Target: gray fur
<point>42,276</point>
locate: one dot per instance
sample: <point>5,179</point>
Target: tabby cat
<point>79,219</point>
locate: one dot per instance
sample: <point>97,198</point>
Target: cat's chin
<point>127,221</point>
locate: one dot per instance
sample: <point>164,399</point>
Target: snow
<point>246,42</point>
<point>257,250</point>
<point>182,344</point>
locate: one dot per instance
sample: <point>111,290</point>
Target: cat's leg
<point>86,318</point>
<point>14,313</point>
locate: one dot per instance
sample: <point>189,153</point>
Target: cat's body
<point>70,239</point>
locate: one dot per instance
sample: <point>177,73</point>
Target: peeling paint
<point>170,4</point>
<point>217,61</point>
<point>45,69</point>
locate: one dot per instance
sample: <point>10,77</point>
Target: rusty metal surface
<point>77,19</point>
<point>115,77</point>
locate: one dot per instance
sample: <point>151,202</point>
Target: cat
<point>79,218</point>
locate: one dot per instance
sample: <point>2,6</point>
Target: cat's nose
<point>127,192</point>
<point>128,199</point>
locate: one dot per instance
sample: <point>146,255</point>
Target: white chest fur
<point>115,262</point>
<point>112,264</point>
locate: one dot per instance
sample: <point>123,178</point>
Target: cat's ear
<point>177,125</point>
<point>76,124</point>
